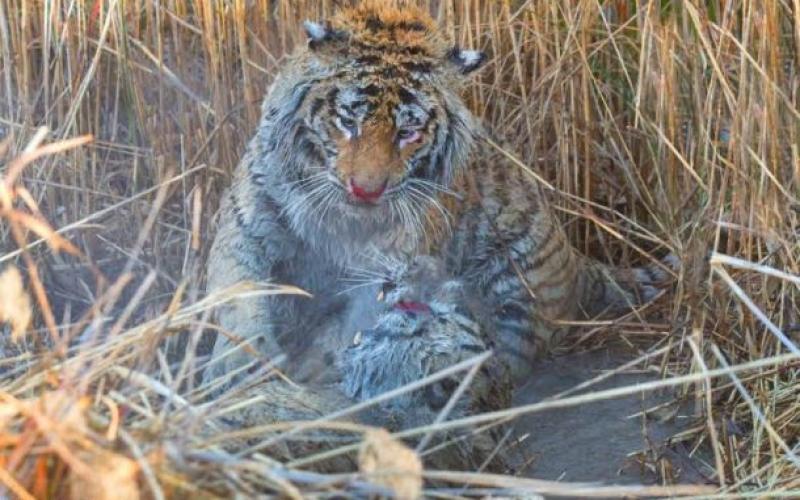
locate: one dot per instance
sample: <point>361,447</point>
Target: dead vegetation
<point>656,127</point>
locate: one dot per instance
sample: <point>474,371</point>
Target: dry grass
<point>660,126</point>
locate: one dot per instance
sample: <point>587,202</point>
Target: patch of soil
<point>591,441</point>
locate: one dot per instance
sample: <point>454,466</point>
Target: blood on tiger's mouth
<point>365,194</point>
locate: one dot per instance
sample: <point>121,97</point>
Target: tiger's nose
<point>368,191</point>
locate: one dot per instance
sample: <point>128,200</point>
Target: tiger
<point>365,147</point>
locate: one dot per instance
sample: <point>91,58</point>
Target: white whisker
<point>307,181</point>
<point>435,186</point>
<point>433,201</point>
<point>360,285</point>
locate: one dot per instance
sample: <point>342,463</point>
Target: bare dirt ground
<point>593,441</point>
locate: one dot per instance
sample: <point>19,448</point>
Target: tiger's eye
<point>348,126</point>
<point>405,133</point>
<point>347,122</point>
<point>407,136</point>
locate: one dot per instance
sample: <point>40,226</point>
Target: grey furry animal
<point>421,331</point>
<point>425,329</point>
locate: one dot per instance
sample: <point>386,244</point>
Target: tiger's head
<point>367,122</point>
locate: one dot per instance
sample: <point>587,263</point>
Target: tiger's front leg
<point>248,324</point>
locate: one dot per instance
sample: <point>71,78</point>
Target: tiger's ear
<point>466,61</point>
<point>321,34</point>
